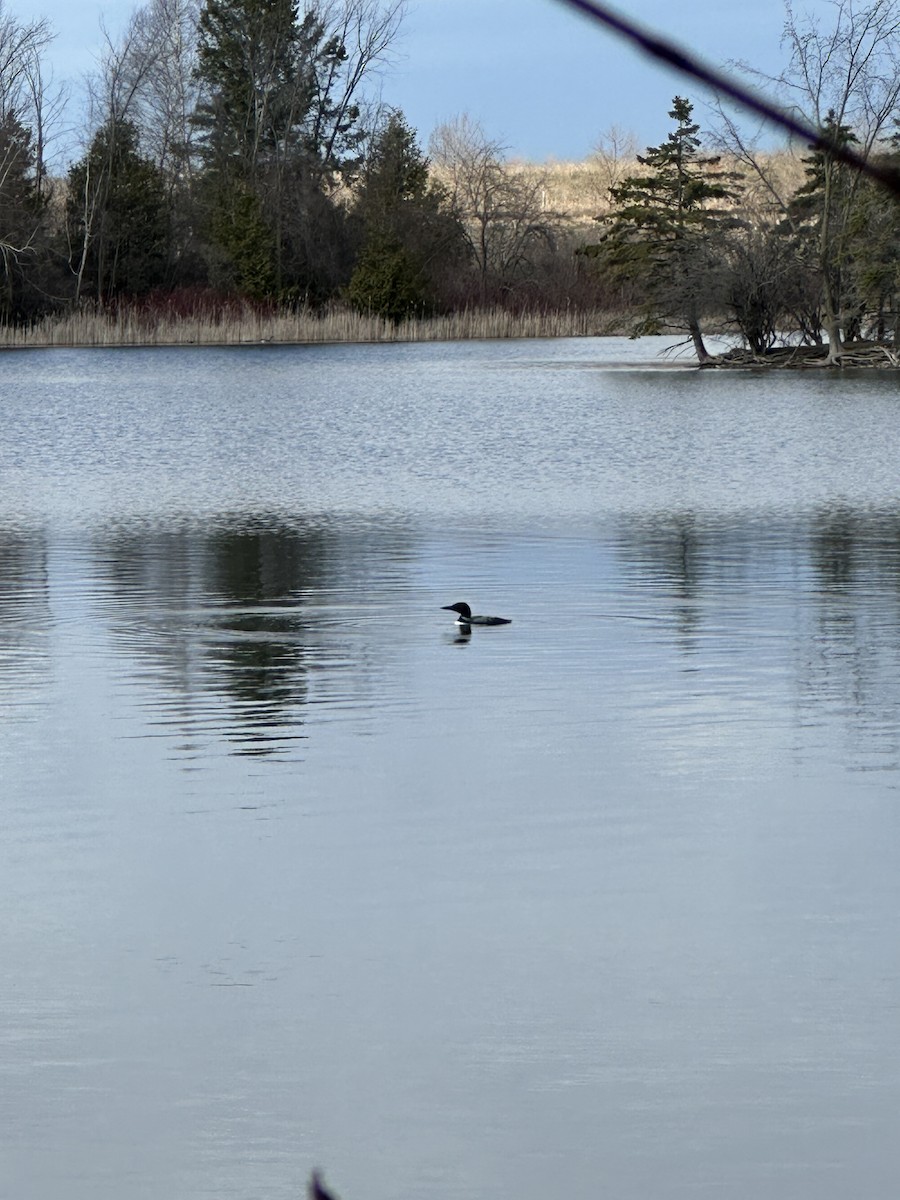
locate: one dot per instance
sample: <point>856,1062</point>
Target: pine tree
<point>117,216</point>
<point>23,240</point>
<point>667,229</point>
<point>276,122</point>
<point>409,231</point>
<point>395,179</point>
<point>822,229</point>
<point>254,64</point>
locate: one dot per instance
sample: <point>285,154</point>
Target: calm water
<point>602,903</point>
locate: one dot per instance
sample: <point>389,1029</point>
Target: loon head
<point>465,613</point>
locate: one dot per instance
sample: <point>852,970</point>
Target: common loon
<point>465,616</point>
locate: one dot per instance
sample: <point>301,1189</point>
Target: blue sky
<point>538,76</point>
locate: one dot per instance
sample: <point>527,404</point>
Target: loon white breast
<point>465,616</point>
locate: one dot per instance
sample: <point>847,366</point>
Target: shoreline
<point>862,355</point>
<point>244,326</point>
<point>247,327</point>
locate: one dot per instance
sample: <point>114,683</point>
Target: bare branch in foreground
<point>725,86</point>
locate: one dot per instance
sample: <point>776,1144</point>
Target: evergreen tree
<point>409,232</point>
<point>388,281</point>
<point>23,233</point>
<point>116,217</point>
<point>668,228</point>
<point>253,61</point>
<point>843,231</point>
<point>395,179</point>
<point>277,122</point>
<point>242,232</point>
<point>875,232</point>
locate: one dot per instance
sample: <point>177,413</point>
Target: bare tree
<point>503,209</point>
<point>25,88</point>
<point>162,58</point>
<point>112,91</point>
<point>615,154</point>
<point>367,30</point>
<point>141,94</point>
<point>22,47</point>
<point>144,87</point>
<point>28,108</point>
<point>843,77</point>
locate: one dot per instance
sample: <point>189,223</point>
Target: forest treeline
<point>234,155</point>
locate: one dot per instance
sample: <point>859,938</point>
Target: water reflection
<point>226,626</point>
<point>668,553</point>
<point>855,659</point>
<point>25,622</point>
<point>565,901</point>
<point>816,601</point>
<point>232,633</point>
<point>220,614</point>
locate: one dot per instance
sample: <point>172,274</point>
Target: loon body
<point>465,616</point>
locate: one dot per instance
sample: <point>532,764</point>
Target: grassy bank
<point>236,326</point>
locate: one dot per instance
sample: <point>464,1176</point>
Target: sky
<point>541,78</point>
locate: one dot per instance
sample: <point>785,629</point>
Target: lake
<point>293,873</point>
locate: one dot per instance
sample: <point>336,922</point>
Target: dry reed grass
<point>133,327</point>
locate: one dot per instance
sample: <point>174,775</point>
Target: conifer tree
<point>116,217</point>
<point>254,63</point>
<point>279,122</point>
<point>23,208</point>
<point>828,226</point>
<point>410,234</point>
<point>395,178</point>
<point>668,227</point>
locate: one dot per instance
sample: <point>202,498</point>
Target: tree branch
<point>712,77</point>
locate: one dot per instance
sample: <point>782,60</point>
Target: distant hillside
<point>579,191</point>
